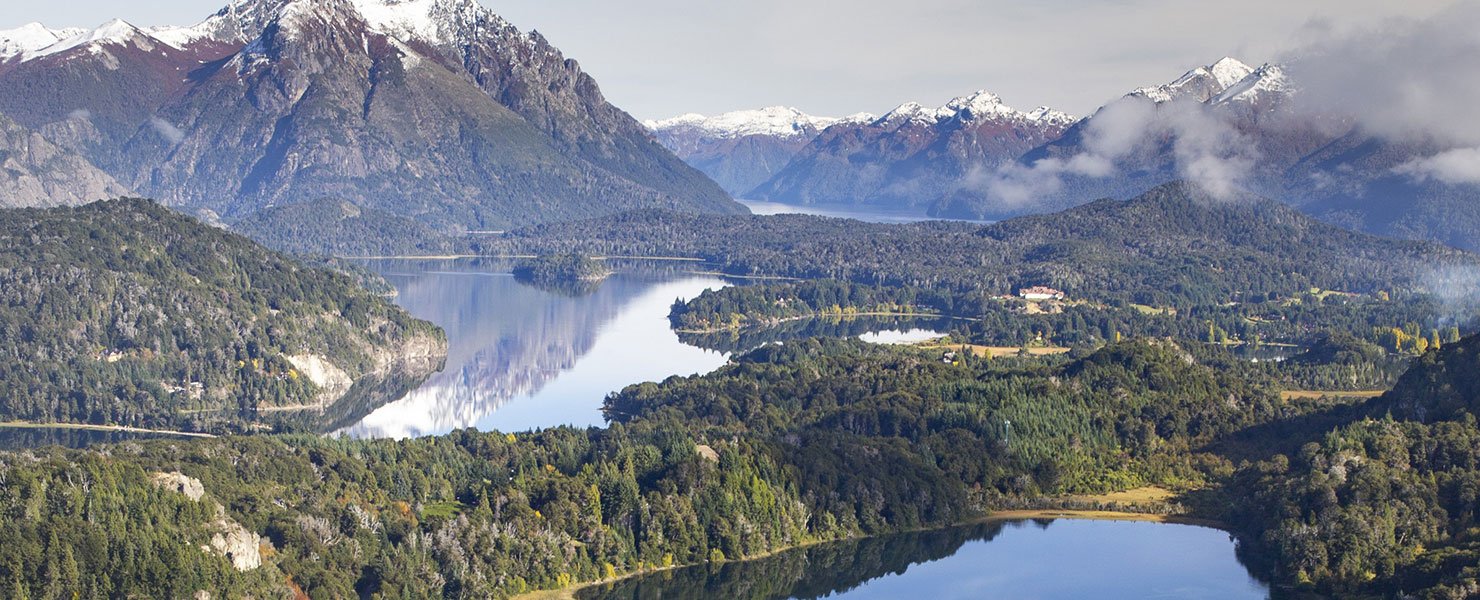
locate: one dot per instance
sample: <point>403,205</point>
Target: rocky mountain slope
<point>438,110</point>
<point>912,155</point>
<point>34,171</point>
<point>743,149</point>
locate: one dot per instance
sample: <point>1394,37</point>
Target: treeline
<point>1305,320</point>
<point>1123,416</point>
<point>125,313</point>
<point>333,227</point>
<point>560,268</point>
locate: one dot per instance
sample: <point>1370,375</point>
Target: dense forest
<point>331,227</point>
<point>127,313</point>
<point>1379,498</point>
<point>792,443</point>
<point>808,441</point>
<point>570,274</point>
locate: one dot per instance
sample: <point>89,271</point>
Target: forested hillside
<point>126,313</point>
<point>1382,498</point>
<point>330,227</point>
<point>813,441</point>
<point>1174,245</point>
<point>792,443</point>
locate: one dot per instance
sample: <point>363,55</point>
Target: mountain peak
<point>1228,71</point>
<point>775,121</point>
<point>976,106</point>
<point>26,38</point>
<point>1200,84</point>
<point>116,31</point>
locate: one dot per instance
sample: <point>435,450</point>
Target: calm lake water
<point>1043,559</point>
<point>522,358</point>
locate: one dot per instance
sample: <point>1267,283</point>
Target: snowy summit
<point>774,121</point>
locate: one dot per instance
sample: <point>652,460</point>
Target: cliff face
<point>36,172</point>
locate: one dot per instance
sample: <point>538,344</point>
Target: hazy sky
<point>657,58</point>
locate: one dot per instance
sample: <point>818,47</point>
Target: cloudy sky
<point>657,58</point>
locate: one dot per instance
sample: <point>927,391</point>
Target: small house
<point>1039,292</point>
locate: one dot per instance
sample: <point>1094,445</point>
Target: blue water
<point>1024,560</point>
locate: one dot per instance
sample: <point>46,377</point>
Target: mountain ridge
<point>439,110</point>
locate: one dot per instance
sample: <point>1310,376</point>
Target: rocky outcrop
<point>228,538</point>
<point>331,380</point>
<point>177,482</point>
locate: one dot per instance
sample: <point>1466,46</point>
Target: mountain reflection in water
<point>521,358</point>
<point>1045,559</point>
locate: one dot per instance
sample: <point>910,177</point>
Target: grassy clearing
<point>994,351</point>
<point>1144,495</point>
<point>1152,310</point>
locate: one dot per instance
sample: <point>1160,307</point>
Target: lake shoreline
<point>110,428</point>
<point>569,593</point>
<point>814,316</point>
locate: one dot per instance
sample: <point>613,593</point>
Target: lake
<point>521,358</point>
<point>1038,559</point>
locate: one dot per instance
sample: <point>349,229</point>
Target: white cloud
<point>1457,166</point>
<point>166,130</point>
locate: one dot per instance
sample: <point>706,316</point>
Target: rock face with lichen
<point>177,482</point>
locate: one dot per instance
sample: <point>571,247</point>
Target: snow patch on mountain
<point>32,37</point>
<point>979,106</point>
<point>1268,80</point>
<point>116,31</point>
<point>775,121</point>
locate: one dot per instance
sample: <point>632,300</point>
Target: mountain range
<point>437,110</point>
<point>1228,125</point>
<point>743,149</point>
<point>910,153</point>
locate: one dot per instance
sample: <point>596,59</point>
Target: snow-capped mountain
<point>774,121</point>
<point>32,37</point>
<point>911,155</point>
<point>1200,85</point>
<point>434,109</point>
<point>742,149</point>
<point>979,106</point>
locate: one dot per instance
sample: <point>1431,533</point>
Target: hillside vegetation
<point>126,313</point>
